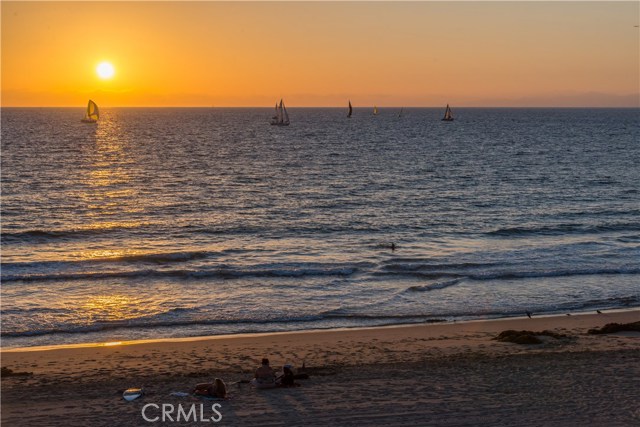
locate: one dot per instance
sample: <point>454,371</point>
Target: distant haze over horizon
<point>315,54</point>
<point>380,107</point>
<point>587,100</point>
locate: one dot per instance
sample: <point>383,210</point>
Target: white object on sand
<point>132,394</point>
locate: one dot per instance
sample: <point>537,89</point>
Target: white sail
<point>448,117</point>
<point>92,114</point>
<point>92,110</point>
<point>375,110</point>
<point>282,117</point>
<point>285,115</point>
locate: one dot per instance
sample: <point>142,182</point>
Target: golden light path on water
<point>107,195</point>
<point>111,307</point>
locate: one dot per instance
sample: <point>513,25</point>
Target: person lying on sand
<point>215,389</point>
<point>264,377</point>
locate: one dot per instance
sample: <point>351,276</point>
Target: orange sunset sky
<point>322,54</point>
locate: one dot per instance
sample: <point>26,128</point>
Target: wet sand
<point>437,374</point>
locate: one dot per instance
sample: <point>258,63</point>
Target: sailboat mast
<point>282,116</point>
<point>285,118</point>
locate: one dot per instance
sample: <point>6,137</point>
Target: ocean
<point>178,222</point>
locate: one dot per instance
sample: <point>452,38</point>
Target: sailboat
<point>448,117</point>
<point>282,117</point>
<point>92,114</point>
<point>375,110</point>
<point>350,110</point>
<point>401,110</point>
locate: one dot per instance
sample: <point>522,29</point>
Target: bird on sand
<point>528,314</point>
<point>598,311</point>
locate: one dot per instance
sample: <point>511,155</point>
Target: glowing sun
<point>105,70</point>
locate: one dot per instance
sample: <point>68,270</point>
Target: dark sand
<point>444,375</point>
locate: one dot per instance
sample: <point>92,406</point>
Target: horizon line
<point>324,106</point>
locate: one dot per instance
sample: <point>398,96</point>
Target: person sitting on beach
<point>265,376</point>
<point>287,378</point>
<point>215,389</point>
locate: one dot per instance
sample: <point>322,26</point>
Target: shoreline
<point>427,374</point>
<point>468,334</point>
<point>295,332</point>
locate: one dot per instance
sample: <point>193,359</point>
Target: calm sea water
<point>179,222</point>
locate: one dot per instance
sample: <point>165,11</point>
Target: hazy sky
<point>322,54</point>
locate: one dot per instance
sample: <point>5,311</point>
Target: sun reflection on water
<point>108,189</point>
<point>111,307</point>
<point>103,254</point>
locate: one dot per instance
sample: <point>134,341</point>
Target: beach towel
<point>179,394</point>
<point>208,397</point>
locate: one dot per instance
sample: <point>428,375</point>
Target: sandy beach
<point>423,212</point>
<point>437,374</point>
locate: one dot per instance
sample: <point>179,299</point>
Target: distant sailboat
<point>401,110</point>
<point>448,117</point>
<point>375,110</point>
<point>92,114</point>
<point>282,117</point>
<point>350,110</point>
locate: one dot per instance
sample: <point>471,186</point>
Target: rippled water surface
<point>178,222</point>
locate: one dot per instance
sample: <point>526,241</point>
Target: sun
<point>105,70</point>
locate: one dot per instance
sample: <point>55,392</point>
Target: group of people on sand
<point>265,377</point>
